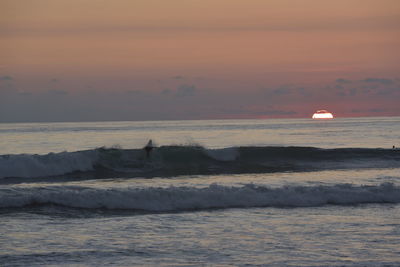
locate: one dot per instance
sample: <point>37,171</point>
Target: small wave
<point>188,160</point>
<point>25,165</point>
<point>191,198</point>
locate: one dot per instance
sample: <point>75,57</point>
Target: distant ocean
<point>284,192</point>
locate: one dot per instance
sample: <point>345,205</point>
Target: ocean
<point>274,192</point>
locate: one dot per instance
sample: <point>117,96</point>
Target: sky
<point>100,60</point>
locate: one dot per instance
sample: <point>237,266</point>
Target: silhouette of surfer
<point>148,148</point>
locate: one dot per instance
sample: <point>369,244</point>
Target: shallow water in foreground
<point>354,233</point>
<point>330,235</point>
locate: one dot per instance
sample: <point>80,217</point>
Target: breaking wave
<point>188,160</point>
<point>192,198</point>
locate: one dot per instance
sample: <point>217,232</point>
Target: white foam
<point>190,198</point>
<point>25,165</point>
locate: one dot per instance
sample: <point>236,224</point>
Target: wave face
<point>190,198</point>
<point>25,165</point>
<point>190,160</point>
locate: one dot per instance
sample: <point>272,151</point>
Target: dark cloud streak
<point>378,80</point>
<point>6,78</point>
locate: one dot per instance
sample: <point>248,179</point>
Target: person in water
<point>148,148</point>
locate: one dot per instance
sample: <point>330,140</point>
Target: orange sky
<point>219,47</point>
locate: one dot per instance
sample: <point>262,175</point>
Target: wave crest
<point>25,165</point>
<point>187,160</point>
<point>190,198</point>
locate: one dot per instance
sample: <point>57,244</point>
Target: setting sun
<point>322,114</point>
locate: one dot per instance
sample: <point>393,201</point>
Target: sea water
<point>282,192</point>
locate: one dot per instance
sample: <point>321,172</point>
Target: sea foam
<point>25,165</point>
<point>192,198</point>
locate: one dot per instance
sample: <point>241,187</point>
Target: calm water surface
<point>383,132</point>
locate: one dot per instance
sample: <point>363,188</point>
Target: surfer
<point>148,148</point>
